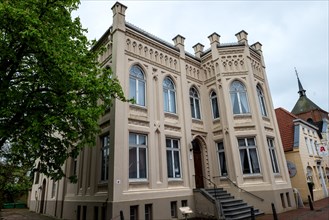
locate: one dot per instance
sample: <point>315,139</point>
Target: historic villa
<point>202,134</point>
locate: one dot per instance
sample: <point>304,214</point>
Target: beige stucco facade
<point>310,165</point>
<point>151,188</point>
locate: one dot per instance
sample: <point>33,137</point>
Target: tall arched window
<point>169,95</point>
<point>137,85</point>
<point>214,105</point>
<point>195,103</point>
<point>239,98</point>
<point>261,100</point>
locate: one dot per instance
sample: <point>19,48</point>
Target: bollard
<point>275,216</point>
<point>252,213</point>
<point>310,202</point>
<point>121,215</point>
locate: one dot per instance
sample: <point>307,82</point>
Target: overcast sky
<point>293,34</point>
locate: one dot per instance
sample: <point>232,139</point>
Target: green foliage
<point>14,181</point>
<point>52,89</point>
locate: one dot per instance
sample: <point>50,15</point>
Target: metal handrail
<point>261,199</point>
<point>219,203</point>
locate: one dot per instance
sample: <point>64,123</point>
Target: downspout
<point>64,190</point>
<point>57,185</point>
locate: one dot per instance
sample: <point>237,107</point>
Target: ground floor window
<point>221,159</point>
<point>148,212</point>
<point>248,155</point>
<point>137,156</point>
<point>173,209</point>
<point>134,212</point>
<point>274,161</point>
<point>173,158</point>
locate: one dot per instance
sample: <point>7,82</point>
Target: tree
<point>52,89</point>
<point>14,179</point>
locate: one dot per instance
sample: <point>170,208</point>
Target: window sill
<point>246,115</point>
<point>138,181</point>
<point>251,176</point>
<point>171,114</point>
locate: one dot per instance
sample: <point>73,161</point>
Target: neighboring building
<point>310,112</point>
<point>198,120</point>
<point>308,168</point>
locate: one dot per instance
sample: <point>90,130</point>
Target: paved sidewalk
<point>22,214</point>
<point>320,212</point>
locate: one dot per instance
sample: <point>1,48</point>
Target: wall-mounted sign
<point>291,169</point>
<point>323,151</point>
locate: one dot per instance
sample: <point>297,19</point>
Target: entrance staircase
<point>232,208</point>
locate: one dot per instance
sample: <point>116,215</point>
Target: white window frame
<point>139,147</point>
<point>213,98</point>
<point>105,154</point>
<point>274,159</point>
<point>170,149</point>
<point>239,91</point>
<point>219,152</point>
<point>195,103</point>
<point>247,149</point>
<point>171,94</point>
<point>261,100</point>
<point>136,93</point>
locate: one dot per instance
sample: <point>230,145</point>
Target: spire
<point>302,91</point>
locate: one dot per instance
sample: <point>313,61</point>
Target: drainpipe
<point>64,190</point>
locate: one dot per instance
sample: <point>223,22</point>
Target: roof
<point>303,104</point>
<point>286,127</point>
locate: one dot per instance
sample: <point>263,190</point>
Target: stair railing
<point>234,184</point>
<point>218,204</point>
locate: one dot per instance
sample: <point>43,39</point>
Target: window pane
<point>222,161</point>
<point>175,144</point>
<point>132,139</point>
<point>197,108</point>
<point>251,142</point>
<point>141,93</point>
<point>165,100</point>
<point>220,146</point>
<point>192,108</point>
<point>177,164</point>
<point>254,160</point>
<point>132,88</point>
<point>170,164</point>
<point>215,110</point>
<point>142,163</point>
<point>244,102</point>
<point>244,161</point>
<point>132,163</point>
<point>235,103</point>
<point>172,102</point>
<point>141,140</point>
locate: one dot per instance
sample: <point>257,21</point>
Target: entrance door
<point>43,193</point>
<point>197,155</point>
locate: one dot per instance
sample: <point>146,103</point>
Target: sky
<point>294,34</point>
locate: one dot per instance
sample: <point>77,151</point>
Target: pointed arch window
<point>169,95</point>
<point>195,103</point>
<point>239,98</point>
<point>214,105</point>
<point>137,85</point>
<point>261,100</point>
